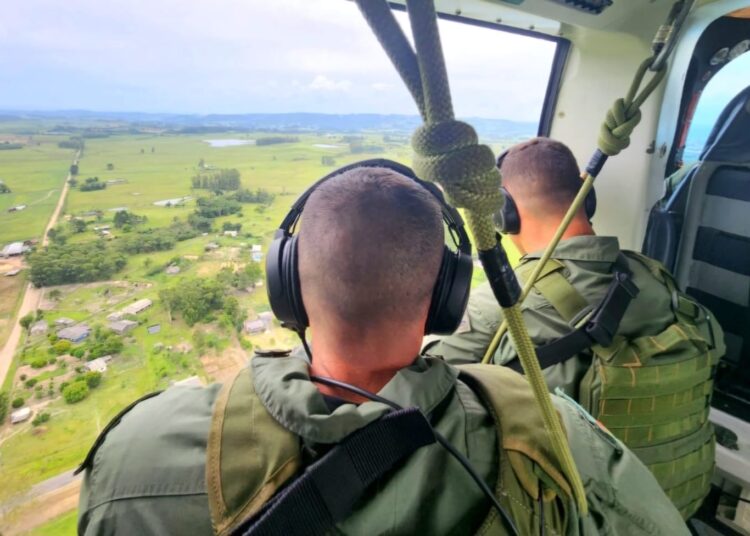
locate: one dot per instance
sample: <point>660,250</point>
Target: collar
<point>583,248</point>
<point>284,387</point>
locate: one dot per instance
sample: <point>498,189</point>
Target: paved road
<point>32,296</point>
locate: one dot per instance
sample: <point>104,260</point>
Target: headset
<point>508,220</point>
<point>451,292</point>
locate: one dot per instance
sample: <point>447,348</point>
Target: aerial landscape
<point>133,252</point>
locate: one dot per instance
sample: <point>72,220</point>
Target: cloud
<point>322,83</point>
<point>381,86</point>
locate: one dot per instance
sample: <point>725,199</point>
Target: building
<point>14,271</point>
<point>39,327</point>
<point>14,249</point>
<point>211,246</point>
<point>172,269</point>
<point>137,307</point>
<point>233,234</point>
<point>256,248</point>
<point>267,318</point>
<point>63,321</point>
<point>153,330</point>
<point>97,365</point>
<point>114,317</point>
<point>254,326</point>
<point>20,415</point>
<point>121,327</point>
<point>75,333</point>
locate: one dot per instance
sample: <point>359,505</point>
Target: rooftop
<point>136,307</point>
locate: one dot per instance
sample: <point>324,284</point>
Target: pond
<point>228,142</point>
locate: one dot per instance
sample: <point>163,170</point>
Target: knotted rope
<point>448,152</point>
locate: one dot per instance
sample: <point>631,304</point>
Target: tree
<point>195,299</point>
<point>55,294</point>
<point>93,379</point>
<point>327,161</point>
<point>3,406</point>
<point>74,263</point>
<point>40,419</point>
<point>18,402</point>
<point>75,392</point>
<point>77,225</point>
<point>26,321</point>
<point>253,271</point>
<point>62,347</point>
<point>74,169</point>
<point>110,166</point>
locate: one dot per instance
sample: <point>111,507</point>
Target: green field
<point>64,525</point>
<point>35,174</point>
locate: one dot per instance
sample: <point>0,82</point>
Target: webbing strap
<point>600,329</point>
<point>557,290</point>
<point>328,490</point>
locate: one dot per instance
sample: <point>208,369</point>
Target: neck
<point>366,360</point>
<point>537,237</point>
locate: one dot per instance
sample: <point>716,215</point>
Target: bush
<point>17,402</point>
<point>62,347</point>
<point>40,419</point>
<point>38,362</point>
<point>31,382</point>
<point>3,406</point>
<point>78,352</point>
<point>75,392</point>
<point>23,377</point>
<point>93,379</point>
<point>63,385</point>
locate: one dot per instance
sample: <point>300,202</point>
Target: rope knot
<point>621,119</point>
<point>449,153</point>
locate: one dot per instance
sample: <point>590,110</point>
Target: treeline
<point>273,140</point>
<point>259,196</point>
<point>160,239</point>
<point>4,188</point>
<point>223,179</point>
<point>126,219</point>
<point>8,146</point>
<point>74,142</point>
<point>358,148</point>
<point>60,264</point>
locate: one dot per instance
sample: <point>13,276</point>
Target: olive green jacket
<point>147,475</point>
<point>588,266</point>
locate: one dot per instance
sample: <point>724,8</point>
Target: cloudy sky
<point>235,56</point>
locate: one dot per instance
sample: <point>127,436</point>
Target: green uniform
<point>588,264</point>
<point>147,475</point>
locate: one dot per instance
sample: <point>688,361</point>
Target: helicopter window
<point>729,81</point>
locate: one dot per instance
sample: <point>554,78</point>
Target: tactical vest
<point>250,456</point>
<point>652,392</point>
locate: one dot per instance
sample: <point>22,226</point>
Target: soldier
<point>596,338</point>
<point>363,272</point>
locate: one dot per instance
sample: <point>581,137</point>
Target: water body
<point>172,202</point>
<point>228,142</point>
<point>326,146</point>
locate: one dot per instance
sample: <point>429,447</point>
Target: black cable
<point>465,463</point>
<point>735,497</point>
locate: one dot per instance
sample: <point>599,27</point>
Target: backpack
<point>652,392</point>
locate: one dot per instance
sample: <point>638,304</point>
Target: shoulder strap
<point>599,329</point>
<point>242,473</point>
<point>556,289</point>
<point>521,430</point>
<point>328,490</point>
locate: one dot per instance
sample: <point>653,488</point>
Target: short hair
<point>542,174</point>
<point>370,247</point>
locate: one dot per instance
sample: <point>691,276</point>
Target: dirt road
<point>32,295</point>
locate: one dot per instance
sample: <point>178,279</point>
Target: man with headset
<point>365,436</point>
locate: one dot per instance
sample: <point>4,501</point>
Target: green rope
<point>448,152</point>
<point>614,136</point>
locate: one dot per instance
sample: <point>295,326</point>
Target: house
<point>256,248</point>
<point>254,326</point>
<point>39,327</point>
<point>233,234</point>
<point>97,365</point>
<point>102,228</point>
<point>211,246</point>
<point>13,272</point>
<point>75,333</point>
<point>121,327</point>
<point>153,330</point>
<point>172,269</point>
<point>20,415</point>
<point>63,321</point>
<point>114,317</point>
<point>14,249</point>
<point>137,307</point>
<point>267,318</point>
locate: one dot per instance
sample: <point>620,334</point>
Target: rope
<point>614,136</point>
<point>447,151</point>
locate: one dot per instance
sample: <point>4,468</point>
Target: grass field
<point>64,525</point>
<point>35,174</point>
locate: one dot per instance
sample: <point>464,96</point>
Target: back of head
<point>542,176</point>
<point>370,246</point>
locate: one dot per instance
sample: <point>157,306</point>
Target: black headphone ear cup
<point>590,204</point>
<point>451,293</point>
<point>507,219</point>
<point>292,283</point>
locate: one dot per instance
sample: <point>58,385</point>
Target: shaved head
<point>370,246</point>
<point>542,175</point>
